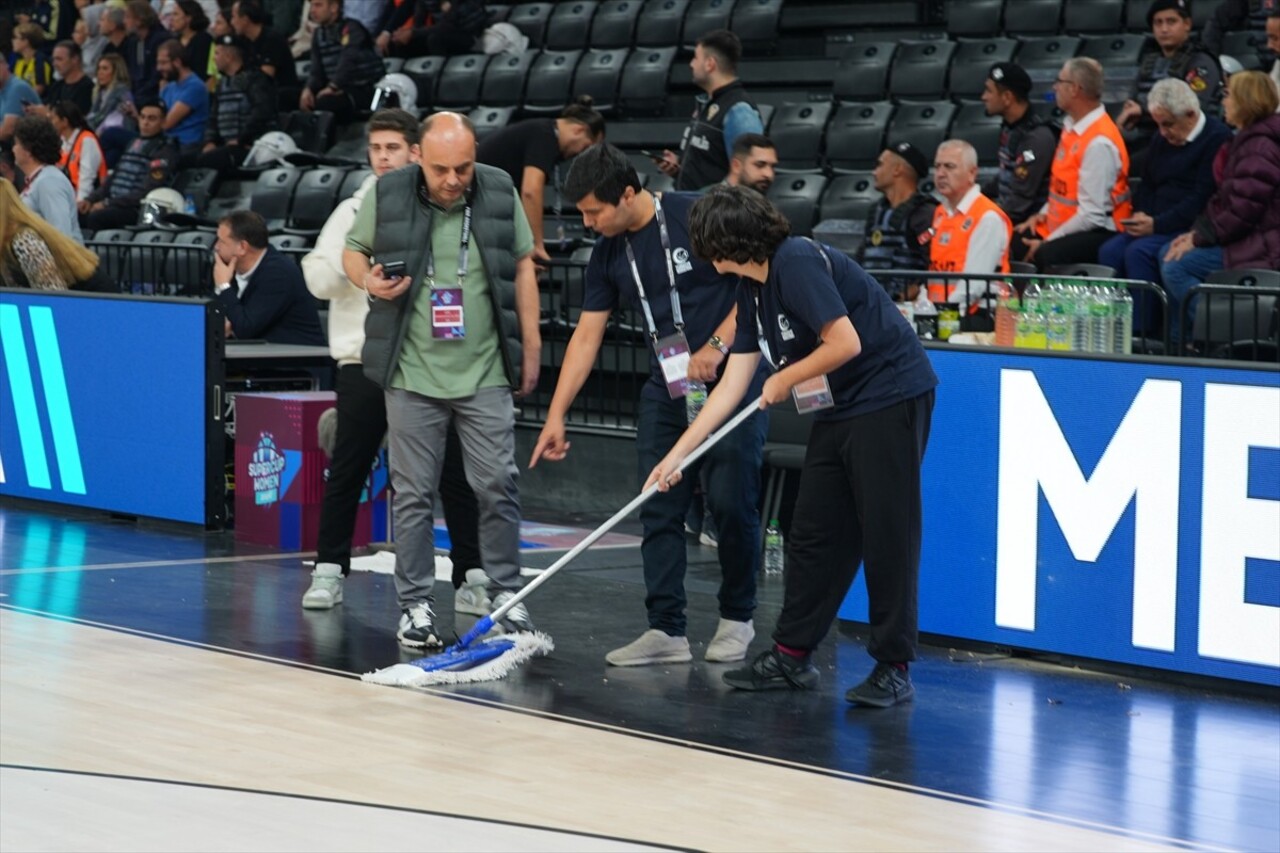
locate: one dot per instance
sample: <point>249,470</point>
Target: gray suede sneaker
<point>731,641</point>
<point>653,646</point>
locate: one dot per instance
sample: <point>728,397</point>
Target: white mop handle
<point>589,540</point>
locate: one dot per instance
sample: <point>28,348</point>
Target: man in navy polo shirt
<point>841,350</point>
<point>643,257</point>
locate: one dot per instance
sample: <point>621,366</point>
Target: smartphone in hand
<point>393,270</point>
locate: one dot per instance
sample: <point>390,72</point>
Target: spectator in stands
<point>344,64</point>
<point>111,93</point>
<point>815,315</point>
<point>754,162</point>
<point>150,161</point>
<point>242,109</point>
<point>71,84</point>
<point>112,27</point>
<point>367,13</point>
<point>1273,45</point>
<point>897,232</point>
<point>723,113</point>
<point>361,408</point>
<point>1240,226</point>
<point>1177,180</point>
<point>642,257</point>
<point>1171,52</point>
<point>221,24</point>
<point>87,37</point>
<point>1236,15</point>
<point>1027,142</point>
<point>37,148</point>
<point>268,50</point>
<point>971,233</point>
<point>30,63</point>
<point>431,27</point>
<point>260,290</point>
<point>15,95</point>
<point>35,254</point>
<point>43,14</point>
<point>142,47</point>
<point>82,159</point>
<point>190,25</point>
<point>186,98</point>
<point>1089,182</point>
<point>434,372</point>
<point>531,151</point>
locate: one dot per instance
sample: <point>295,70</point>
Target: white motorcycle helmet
<point>395,90</point>
<point>159,202</point>
<point>270,149</point>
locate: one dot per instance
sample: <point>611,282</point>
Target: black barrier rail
<point>1235,322</point>
<point>977,296</point>
<point>157,269</point>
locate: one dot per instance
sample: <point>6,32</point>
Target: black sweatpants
<point>1079,248</point>
<point>859,502</point>
<point>362,422</point>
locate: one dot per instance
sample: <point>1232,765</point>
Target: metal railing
<point>1231,322</point>
<point>157,269</point>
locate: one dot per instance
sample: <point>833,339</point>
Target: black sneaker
<point>773,670</point>
<point>885,687</point>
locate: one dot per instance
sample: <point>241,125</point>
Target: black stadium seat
<point>615,23</point>
<point>1038,17</point>
<point>187,264</point>
<point>1043,58</point>
<point>315,197</point>
<point>855,136</point>
<point>924,125</point>
<point>1135,16</point>
<point>797,197</point>
<point>425,72</point>
<point>973,125</point>
<point>531,19</point>
<point>644,80</point>
<point>973,17</point>
<point>703,17</point>
<point>755,22</point>
<point>273,195</point>
<point>198,183</point>
<point>598,75</point>
<point>848,197</point>
<point>863,72</point>
<point>460,82</point>
<point>972,60</point>
<point>1245,47</point>
<point>498,12</point>
<point>1116,51</point>
<point>488,119</point>
<point>920,69</point>
<point>551,81</point>
<point>1093,16</point>
<point>145,266</point>
<point>569,27</point>
<point>392,64</point>
<point>504,78</point>
<point>313,131</point>
<point>352,182</point>
<point>797,130</point>
<point>661,22</point>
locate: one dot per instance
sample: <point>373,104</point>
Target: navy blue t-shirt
<point>706,297</point>
<point>800,297</point>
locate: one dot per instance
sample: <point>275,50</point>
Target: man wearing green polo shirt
<point>452,333</point>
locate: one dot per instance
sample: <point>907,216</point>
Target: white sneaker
<point>473,596</point>
<point>517,618</point>
<point>653,646</point>
<point>418,626</point>
<point>731,641</point>
<point>326,587</point>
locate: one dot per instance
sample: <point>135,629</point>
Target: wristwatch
<point>219,288</point>
<point>718,344</point>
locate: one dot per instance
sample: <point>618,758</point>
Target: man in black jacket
<point>242,108</point>
<point>149,162</point>
<point>1027,143</point>
<point>344,64</point>
<point>261,291</point>
<point>439,28</point>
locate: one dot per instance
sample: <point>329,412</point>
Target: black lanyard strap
<point>464,252</point>
<point>676,315</point>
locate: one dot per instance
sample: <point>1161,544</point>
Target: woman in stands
<point>82,159</point>
<point>191,25</point>
<point>39,256</point>
<point>111,90</point>
<point>1240,226</point>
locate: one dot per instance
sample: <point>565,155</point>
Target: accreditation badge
<point>813,395</point>
<point>446,314</point>
<point>673,358</point>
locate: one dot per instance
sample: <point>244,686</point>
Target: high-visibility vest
<point>950,244</point>
<point>1064,180</point>
<point>70,162</point>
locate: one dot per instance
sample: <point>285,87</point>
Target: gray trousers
<point>416,430</point>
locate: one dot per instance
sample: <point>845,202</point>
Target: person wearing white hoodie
<point>361,411</point>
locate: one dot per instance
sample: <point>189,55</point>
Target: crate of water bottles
<point>1065,314</point>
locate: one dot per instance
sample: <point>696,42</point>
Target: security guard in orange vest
<point>970,232</point>
<point>1089,183</point>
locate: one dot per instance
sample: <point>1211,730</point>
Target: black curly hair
<point>38,135</point>
<point>736,224</point>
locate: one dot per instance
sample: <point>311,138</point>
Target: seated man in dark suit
<point>262,292</point>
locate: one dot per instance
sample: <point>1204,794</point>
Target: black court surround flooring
<point>1194,766</point>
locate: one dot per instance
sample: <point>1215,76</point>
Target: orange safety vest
<point>950,244</point>
<point>1064,181</point>
<point>70,162</point>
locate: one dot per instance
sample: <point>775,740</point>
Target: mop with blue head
<point>473,658</point>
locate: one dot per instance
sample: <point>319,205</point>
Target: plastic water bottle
<point>1081,341</point>
<point>1006,322</point>
<point>1121,320</point>
<point>773,550</point>
<point>189,207</point>
<point>1100,334</point>
<point>1058,323</point>
<point>695,397</point>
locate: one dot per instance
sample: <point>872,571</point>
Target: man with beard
<point>754,162</point>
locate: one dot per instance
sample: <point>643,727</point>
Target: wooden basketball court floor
<point>162,689</point>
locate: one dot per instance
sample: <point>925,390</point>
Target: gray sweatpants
<point>416,429</point>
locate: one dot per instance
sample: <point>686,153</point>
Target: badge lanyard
<point>676,314</point>
<point>447,318</point>
<point>811,395</point>
<point>464,251</point>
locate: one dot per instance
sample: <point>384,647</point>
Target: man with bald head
<point>446,255</point>
<point>970,231</point>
